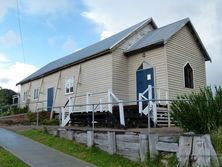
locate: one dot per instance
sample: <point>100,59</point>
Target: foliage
<point>33,116</point>
<point>6,96</point>
<point>199,112</point>
<point>93,155</point>
<point>12,110</point>
<point>8,160</point>
<point>19,110</point>
<point>216,138</point>
<point>43,118</point>
<point>50,122</point>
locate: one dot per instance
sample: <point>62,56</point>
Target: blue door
<point>144,78</point>
<point>49,99</point>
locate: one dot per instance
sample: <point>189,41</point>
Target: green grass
<point>8,160</point>
<point>92,155</point>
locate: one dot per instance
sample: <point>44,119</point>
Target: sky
<point>34,33</point>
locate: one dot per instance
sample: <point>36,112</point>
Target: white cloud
<point>52,41</point>
<point>11,73</point>
<point>3,58</point>
<point>10,38</point>
<point>5,5</point>
<point>69,45</point>
<point>42,7</point>
<point>37,8</point>
<point>205,16</point>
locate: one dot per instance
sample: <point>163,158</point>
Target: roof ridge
<point>152,33</point>
<point>187,18</point>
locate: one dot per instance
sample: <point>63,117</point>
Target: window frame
<point>35,94</point>
<point>69,85</point>
<point>190,85</point>
<point>25,95</point>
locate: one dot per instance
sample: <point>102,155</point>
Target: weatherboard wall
<point>157,59</point>
<point>182,49</point>
<point>120,63</point>
<point>95,76</point>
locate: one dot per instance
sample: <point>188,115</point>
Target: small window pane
<point>69,86</point>
<point>149,77</point>
<point>71,89</point>
<point>67,90</point>
<point>188,76</point>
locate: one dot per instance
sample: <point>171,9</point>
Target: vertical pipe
<point>70,104</point>
<point>140,103</point>
<point>110,101</point>
<point>87,102</point>
<point>100,105</point>
<point>63,115</point>
<point>149,105</point>
<point>37,119</point>
<point>121,113</point>
<point>168,111</point>
<point>93,121</point>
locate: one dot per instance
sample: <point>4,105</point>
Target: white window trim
<point>24,98</point>
<point>71,83</point>
<point>35,97</point>
<point>184,76</point>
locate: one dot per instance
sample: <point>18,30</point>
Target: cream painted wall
<point>93,78</point>
<point>180,50</point>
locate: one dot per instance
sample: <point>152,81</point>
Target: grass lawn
<point>92,155</point>
<point>9,160</point>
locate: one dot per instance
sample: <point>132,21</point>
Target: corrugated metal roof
<point>163,34</point>
<point>157,36</point>
<point>85,53</point>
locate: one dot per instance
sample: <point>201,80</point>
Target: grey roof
<point>86,53</point>
<point>163,34</point>
<point>157,36</point>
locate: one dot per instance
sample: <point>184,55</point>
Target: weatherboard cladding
<point>159,35</point>
<point>155,37</point>
<point>182,49</point>
<point>163,34</point>
<point>92,50</point>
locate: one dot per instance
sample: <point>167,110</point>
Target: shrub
<point>216,137</point>
<point>32,117</point>
<point>43,118</point>
<point>50,122</point>
<point>18,110</point>
<point>199,112</point>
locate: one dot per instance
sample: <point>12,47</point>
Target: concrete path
<point>36,154</point>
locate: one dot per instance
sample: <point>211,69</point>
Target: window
<point>69,86</point>
<point>25,95</point>
<point>188,76</point>
<point>36,94</point>
<point>144,65</point>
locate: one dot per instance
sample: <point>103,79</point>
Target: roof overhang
<point>198,41</point>
<point>64,67</point>
<point>162,42</point>
<point>155,45</point>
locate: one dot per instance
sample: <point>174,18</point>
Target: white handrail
<point>112,96</point>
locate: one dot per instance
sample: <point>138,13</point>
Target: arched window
<point>144,65</point>
<point>188,76</point>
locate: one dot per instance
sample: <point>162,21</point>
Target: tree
<point>6,96</point>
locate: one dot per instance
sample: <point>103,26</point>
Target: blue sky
<point>55,28</point>
<point>48,36</point>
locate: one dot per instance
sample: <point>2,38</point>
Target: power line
<point>20,30</point>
